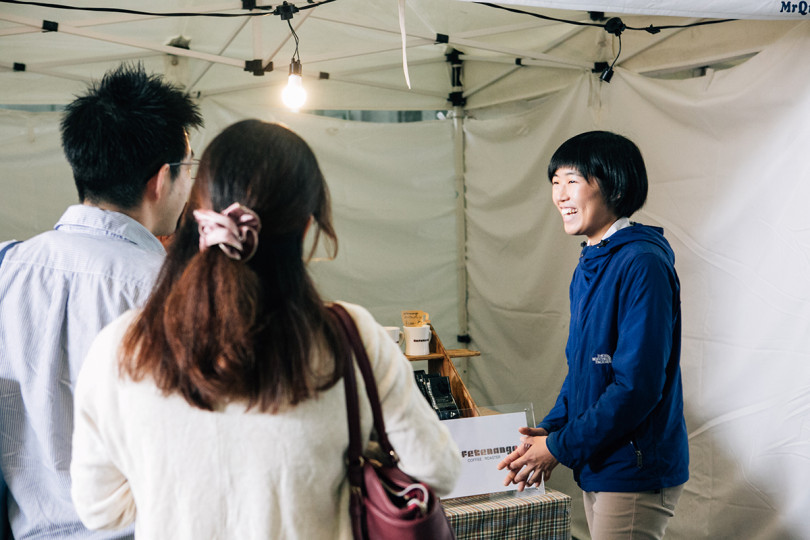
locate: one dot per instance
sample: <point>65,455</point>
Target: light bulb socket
<point>295,67</point>
<point>285,11</point>
<point>615,26</point>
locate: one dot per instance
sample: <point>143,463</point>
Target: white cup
<point>395,332</point>
<point>417,340</point>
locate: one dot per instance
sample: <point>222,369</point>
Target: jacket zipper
<point>638,453</point>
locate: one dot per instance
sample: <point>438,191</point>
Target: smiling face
<point>582,205</point>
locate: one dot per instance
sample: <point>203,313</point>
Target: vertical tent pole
<point>461,223</point>
<point>458,101</point>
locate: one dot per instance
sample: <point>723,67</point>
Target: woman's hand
<point>531,462</point>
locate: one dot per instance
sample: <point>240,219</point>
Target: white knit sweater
<point>184,473</point>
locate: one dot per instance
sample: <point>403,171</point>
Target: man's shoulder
<point>75,250</point>
<point>94,222</point>
<point>110,270</point>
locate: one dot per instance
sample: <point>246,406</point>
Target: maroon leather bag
<point>385,502</point>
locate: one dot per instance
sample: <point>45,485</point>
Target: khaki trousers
<point>630,516</point>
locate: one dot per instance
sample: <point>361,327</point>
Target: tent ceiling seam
<point>461,41</point>
<point>495,30</point>
<point>521,54</point>
<point>17,30</point>
<point>653,42</point>
<point>362,52</point>
<point>78,61</point>
<point>523,62</point>
<point>572,33</point>
<point>386,67</point>
<point>532,97</point>
<point>242,88</point>
<point>703,62</point>
<point>49,73</point>
<point>363,26</point>
<point>487,84</point>
<point>228,42</point>
<point>72,30</point>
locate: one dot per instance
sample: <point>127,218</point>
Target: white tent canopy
<point>454,216</point>
<point>720,9</point>
<point>357,44</point>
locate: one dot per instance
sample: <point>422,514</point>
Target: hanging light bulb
<point>294,94</point>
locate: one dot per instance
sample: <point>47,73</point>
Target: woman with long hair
<point>214,412</point>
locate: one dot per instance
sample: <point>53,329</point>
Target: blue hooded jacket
<point>618,421</point>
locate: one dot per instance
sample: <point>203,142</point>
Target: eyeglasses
<point>193,165</point>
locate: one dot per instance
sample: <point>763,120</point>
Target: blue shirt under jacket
<point>57,290</point>
<point>618,420</point>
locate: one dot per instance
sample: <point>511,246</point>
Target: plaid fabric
<point>511,515</point>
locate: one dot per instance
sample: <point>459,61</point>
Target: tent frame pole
<point>139,44</point>
<point>461,222</point>
<point>458,100</point>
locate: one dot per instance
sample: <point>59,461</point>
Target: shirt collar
<point>93,221</point>
<point>618,225</point>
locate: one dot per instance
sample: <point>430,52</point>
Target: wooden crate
<point>440,362</point>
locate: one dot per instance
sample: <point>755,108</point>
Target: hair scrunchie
<point>235,230</point>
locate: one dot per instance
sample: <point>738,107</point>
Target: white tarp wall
<point>727,161</point>
<point>392,188</point>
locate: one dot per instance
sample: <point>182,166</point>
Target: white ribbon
<point>404,42</point>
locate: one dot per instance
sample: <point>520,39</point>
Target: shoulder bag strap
<point>355,461</point>
<point>355,451</point>
<point>360,356</point>
<point>8,246</point>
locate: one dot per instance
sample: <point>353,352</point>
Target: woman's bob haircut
<point>613,161</point>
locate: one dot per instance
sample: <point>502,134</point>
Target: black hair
<point>613,161</point>
<point>122,131</point>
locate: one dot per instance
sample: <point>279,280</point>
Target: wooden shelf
<point>462,353</point>
<point>440,361</point>
<point>431,356</point>
<point>452,353</point>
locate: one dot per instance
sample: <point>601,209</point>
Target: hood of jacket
<point>593,258</point>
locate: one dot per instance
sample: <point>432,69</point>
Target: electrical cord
<point>269,9</point>
<point>650,29</point>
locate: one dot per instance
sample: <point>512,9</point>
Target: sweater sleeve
<point>425,448</point>
<point>100,492</point>
<point>645,328</point>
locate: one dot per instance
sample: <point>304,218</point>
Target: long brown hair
<point>217,329</point>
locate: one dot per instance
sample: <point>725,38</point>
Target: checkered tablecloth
<point>511,515</point>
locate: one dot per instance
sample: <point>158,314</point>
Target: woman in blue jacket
<point>618,421</point>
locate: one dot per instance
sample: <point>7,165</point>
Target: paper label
<point>415,318</point>
<point>484,441</point>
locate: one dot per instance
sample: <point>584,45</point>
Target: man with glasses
<point>127,142</point>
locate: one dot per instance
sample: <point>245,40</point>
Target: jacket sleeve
<point>645,324</point>
<point>100,492</point>
<point>424,445</point>
<point>558,415</point>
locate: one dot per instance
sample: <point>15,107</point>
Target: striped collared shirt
<point>57,290</point>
